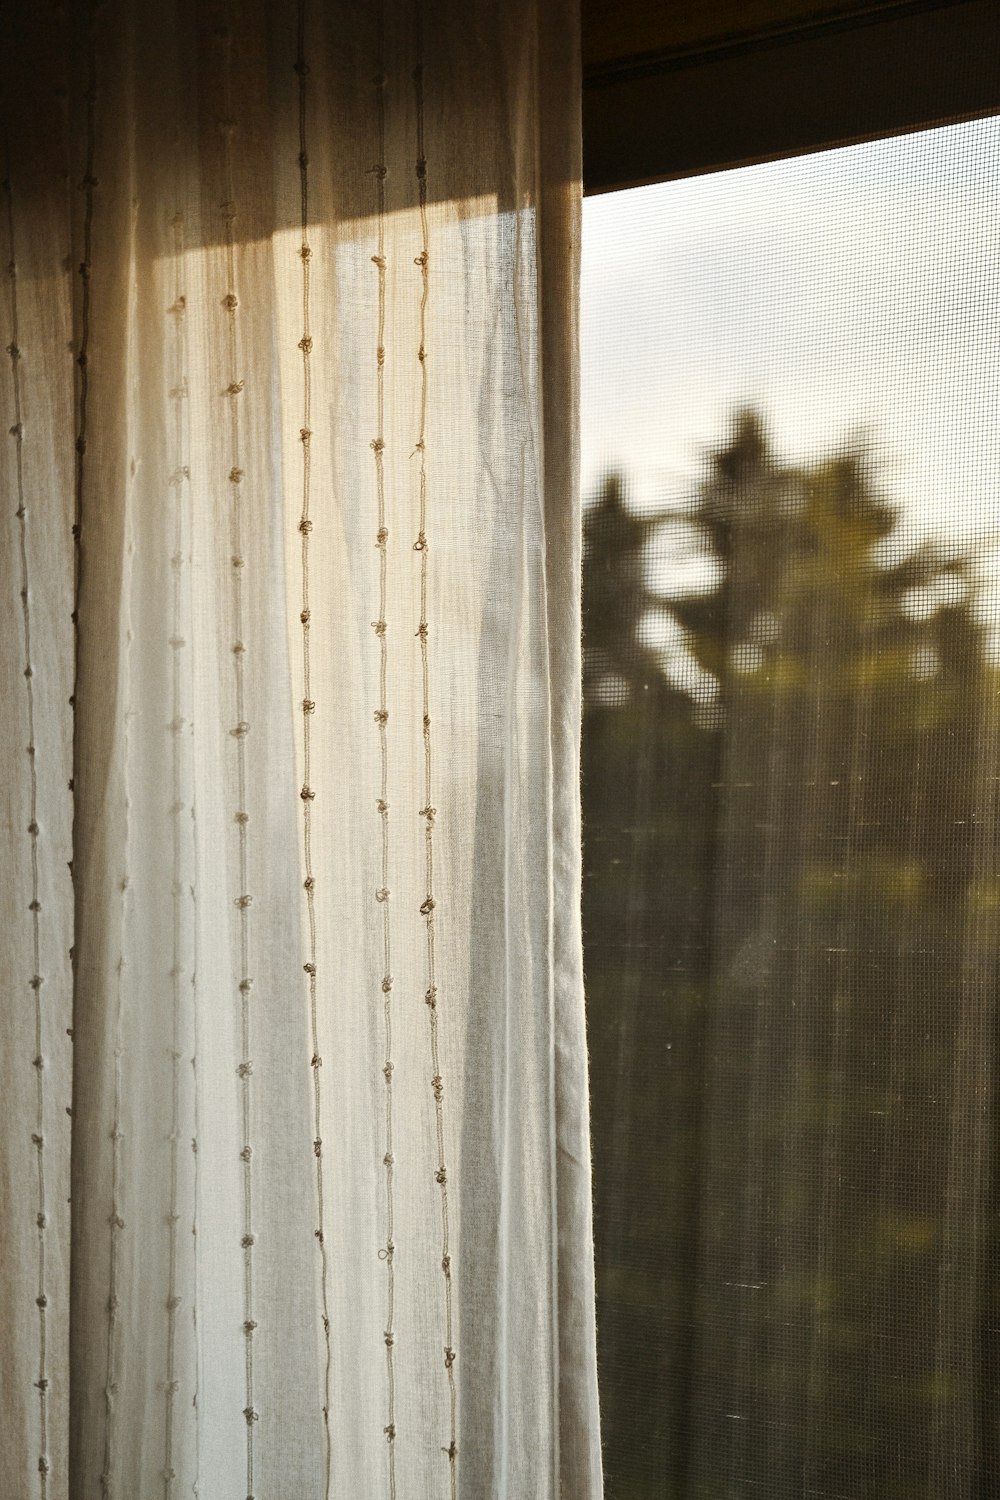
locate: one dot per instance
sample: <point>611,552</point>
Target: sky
<point>846,293</point>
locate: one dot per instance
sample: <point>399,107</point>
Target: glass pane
<point>792,868</point>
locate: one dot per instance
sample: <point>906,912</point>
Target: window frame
<point>865,72</point>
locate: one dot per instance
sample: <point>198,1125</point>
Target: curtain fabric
<point>294,1165</point>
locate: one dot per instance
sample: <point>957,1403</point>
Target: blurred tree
<point>790,813</point>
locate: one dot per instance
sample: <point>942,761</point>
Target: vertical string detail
<point>116,1223</point>
<point>239,732</point>
<point>178,479</point>
<point>87,185</point>
<point>36,979</point>
<point>307,793</point>
<point>428,812</point>
<point>382,894</point>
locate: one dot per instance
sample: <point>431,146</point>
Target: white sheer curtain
<point>290,676</point>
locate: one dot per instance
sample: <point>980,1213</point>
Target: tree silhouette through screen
<point>791,905</point>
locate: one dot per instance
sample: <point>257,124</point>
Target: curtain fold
<point>295,1163</point>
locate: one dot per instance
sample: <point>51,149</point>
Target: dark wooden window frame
<point>867,71</point>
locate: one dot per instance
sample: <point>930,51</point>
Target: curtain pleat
<point>291,667</point>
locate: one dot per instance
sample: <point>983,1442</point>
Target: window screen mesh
<point>791,798</point>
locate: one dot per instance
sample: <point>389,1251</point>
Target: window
<point>792,814</point>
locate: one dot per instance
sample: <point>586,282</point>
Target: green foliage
<point>790,907</point>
